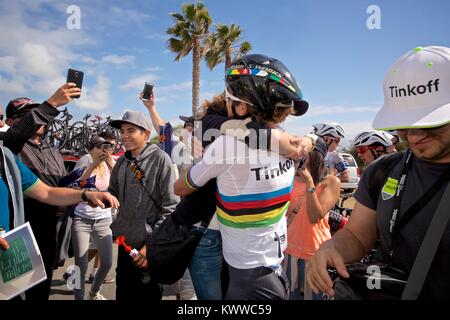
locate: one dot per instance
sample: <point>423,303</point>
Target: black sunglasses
<point>1,117</point>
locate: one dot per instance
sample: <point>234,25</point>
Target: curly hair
<point>217,103</point>
<point>276,116</point>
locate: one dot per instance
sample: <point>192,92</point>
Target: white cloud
<point>178,87</point>
<point>96,97</point>
<point>137,82</point>
<point>118,60</point>
<point>36,60</point>
<point>157,36</point>
<point>121,16</point>
<point>86,59</point>
<point>41,53</point>
<point>8,64</point>
<point>11,86</point>
<point>153,69</point>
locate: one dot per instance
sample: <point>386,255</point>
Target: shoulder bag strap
<point>428,248</point>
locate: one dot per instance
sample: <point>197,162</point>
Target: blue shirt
<point>29,180</point>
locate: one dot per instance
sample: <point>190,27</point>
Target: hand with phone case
<point>147,96</point>
<point>75,76</point>
<point>148,91</point>
<point>63,95</point>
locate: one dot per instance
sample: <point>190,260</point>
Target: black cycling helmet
<point>266,83</point>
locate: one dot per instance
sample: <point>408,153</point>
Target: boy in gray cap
<point>142,180</point>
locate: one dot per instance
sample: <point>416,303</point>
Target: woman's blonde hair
<point>217,103</point>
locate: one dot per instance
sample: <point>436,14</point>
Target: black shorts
<point>260,283</point>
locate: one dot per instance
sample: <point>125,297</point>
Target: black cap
<point>96,142</point>
<point>187,120</point>
<point>19,107</point>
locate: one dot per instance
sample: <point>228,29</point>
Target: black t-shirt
<point>420,178</point>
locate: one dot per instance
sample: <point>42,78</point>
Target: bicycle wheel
<point>76,141</point>
<point>56,135</point>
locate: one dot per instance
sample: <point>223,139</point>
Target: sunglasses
<point>362,150</point>
<point>231,97</point>
<point>107,146</point>
<point>1,117</point>
<point>337,140</point>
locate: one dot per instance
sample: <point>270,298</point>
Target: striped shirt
<point>253,194</point>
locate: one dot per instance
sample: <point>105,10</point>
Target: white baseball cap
<point>416,91</point>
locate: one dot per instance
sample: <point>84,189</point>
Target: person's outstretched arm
<point>17,135</point>
<point>157,121</point>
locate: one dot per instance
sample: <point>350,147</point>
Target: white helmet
<point>328,129</point>
<point>368,138</point>
<point>393,133</point>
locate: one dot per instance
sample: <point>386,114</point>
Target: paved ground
<point>60,291</point>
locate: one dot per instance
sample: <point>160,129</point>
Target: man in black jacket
<point>28,121</point>
<point>23,123</point>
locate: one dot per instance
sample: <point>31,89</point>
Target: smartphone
<point>302,163</point>
<point>76,77</point>
<point>148,91</point>
<point>107,204</point>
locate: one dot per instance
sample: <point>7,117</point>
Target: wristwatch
<point>312,190</point>
<point>83,195</point>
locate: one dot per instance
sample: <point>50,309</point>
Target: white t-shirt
<point>253,195</point>
<point>83,209</point>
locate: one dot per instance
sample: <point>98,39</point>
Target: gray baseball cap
<point>133,117</point>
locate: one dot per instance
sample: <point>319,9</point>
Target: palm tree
<point>221,45</point>
<point>188,33</point>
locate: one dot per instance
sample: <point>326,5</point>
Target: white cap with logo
<point>416,91</point>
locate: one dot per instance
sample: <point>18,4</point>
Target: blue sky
<point>338,62</point>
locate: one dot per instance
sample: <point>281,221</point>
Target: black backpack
<point>170,249</point>
<point>171,245</point>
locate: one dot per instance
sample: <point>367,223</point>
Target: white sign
<point>21,266</point>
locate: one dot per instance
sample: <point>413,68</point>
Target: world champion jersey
<point>253,195</point>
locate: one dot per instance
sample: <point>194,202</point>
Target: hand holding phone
<point>302,164</point>
<point>106,204</point>
<point>76,77</point>
<point>148,91</point>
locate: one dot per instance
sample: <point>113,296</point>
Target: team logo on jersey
<point>389,188</point>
